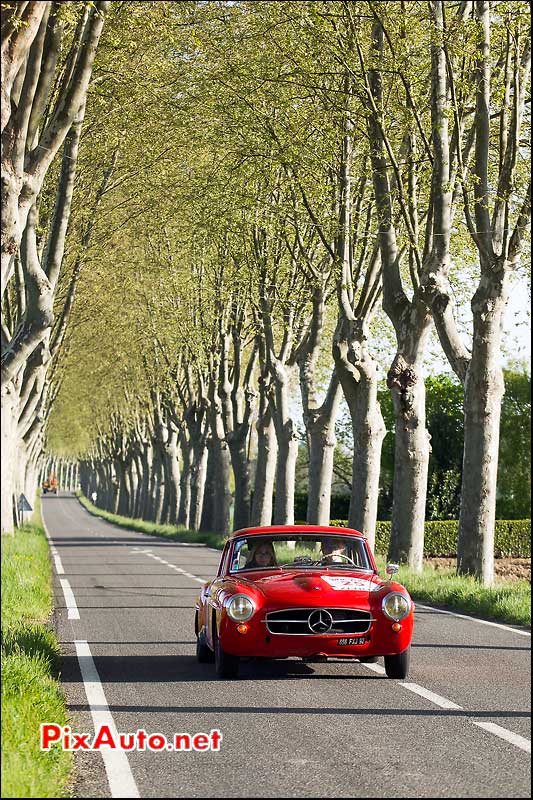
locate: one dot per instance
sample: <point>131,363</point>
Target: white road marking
<point>474,619</point>
<point>59,565</point>
<point>53,550</point>
<point>70,600</point>
<point>375,668</point>
<point>443,702</point>
<point>119,774</point>
<point>431,696</point>
<point>508,736</point>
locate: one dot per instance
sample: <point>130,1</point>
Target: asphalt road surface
<point>459,726</point>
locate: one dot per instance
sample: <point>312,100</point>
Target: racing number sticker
<point>348,583</point>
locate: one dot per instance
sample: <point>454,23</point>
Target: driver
<point>332,548</point>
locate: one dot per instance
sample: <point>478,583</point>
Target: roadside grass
<point>31,691</point>
<point>507,601</point>
<point>174,532</point>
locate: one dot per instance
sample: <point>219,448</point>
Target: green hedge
<point>512,537</point>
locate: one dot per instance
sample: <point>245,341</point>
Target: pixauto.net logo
<point>105,737</point>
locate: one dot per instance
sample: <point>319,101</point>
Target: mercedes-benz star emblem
<point>320,621</point>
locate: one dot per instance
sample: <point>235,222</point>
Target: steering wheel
<point>331,558</point>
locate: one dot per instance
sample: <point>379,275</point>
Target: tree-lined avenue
<point>289,729</point>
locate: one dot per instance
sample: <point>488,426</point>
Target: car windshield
<point>299,551</point>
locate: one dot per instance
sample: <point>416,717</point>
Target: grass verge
<point>507,601</point>
<point>174,532</point>
<point>31,691</point>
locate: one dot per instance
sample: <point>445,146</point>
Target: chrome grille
<point>295,621</point>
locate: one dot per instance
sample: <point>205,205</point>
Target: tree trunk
<point>147,457</point>
<point>137,511</point>
<point>411,459</point>
<point>123,493</point>
<point>368,433</point>
<point>158,486</point>
<point>484,389</point>
<point>207,508</point>
<point>241,473</point>
<point>322,441</point>
<point>8,461</point>
<point>265,470</point>
<point>198,481</point>
<point>358,376</point>
<point>172,477</point>
<point>134,486</point>
<point>221,495</point>
<point>285,473</point>
<point>320,428</point>
<point>185,483</point>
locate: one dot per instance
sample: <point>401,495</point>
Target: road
<point>289,729</point>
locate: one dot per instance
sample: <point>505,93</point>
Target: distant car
<point>302,590</point>
<point>50,485</point>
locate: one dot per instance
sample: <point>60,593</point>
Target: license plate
<point>351,640</point>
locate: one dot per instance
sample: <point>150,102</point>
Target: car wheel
<point>398,666</point>
<point>204,654</point>
<point>226,665</point>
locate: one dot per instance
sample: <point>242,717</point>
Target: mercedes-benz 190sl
<point>302,591</point>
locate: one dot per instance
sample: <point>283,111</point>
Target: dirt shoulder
<point>509,569</point>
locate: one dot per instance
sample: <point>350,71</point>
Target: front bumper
<point>380,640</point>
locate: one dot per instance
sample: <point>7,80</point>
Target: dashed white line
<point>431,696</point>
<point>443,702</point>
<point>172,566</point>
<point>375,668</point>
<point>119,774</point>
<point>508,736</point>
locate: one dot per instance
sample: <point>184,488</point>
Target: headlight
<point>395,606</point>
<point>240,608</point>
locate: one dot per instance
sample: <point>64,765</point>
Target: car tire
<point>398,666</point>
<point>226,665</point>
<point>204,654</point>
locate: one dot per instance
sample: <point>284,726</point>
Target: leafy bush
<point>512,537</point>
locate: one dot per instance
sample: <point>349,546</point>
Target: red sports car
<point>306,591</point>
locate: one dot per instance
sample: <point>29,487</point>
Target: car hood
<point>317,587</point>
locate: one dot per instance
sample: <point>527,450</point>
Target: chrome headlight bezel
<point>400,614</point>
<point>231,604</point>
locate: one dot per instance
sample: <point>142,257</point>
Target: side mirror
<point>392,568</point>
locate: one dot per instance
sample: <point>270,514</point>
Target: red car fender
<point>216,601</point>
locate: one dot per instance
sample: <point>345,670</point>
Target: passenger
<point>262,555</point>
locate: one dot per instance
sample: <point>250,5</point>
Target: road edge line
<point>119,775</point>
